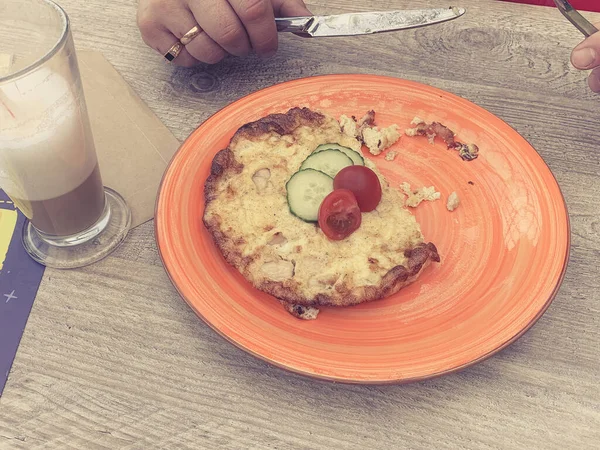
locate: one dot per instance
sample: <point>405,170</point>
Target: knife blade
<point>353,24</point>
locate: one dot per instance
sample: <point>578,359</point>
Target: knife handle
<point>583,25</point>
<point>298,25</point>
<point>573,16</point>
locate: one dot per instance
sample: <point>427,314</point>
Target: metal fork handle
<point>573,16</point>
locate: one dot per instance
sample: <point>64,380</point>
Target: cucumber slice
<point>327,161</point>
<point>306,191</point>
<point>356,157</point>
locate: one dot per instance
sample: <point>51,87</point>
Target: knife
<point>573,16</point>
<point>354,24</point>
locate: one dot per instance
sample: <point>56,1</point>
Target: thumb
<point>587,54</point>
<point>290,8</point>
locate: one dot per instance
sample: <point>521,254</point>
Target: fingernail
<point>594,82</point>
<point>584,58</point>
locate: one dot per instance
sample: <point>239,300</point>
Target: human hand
<point>234,27</point>
<point>587,56</point>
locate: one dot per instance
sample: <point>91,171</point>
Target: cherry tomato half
<point>339,214</point>
<point>363,183</point>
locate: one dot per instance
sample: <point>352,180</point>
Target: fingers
<point>219,20</point>
<point>587,54</point>
<point>157,36</point>
<point>259,21</point>
<point>290,8</point>
<point>594,80</point>
<point>202,47</point>
<point>228,26</point>
<point>162,40</point>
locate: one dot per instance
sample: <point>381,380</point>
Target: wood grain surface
<point>112,357</point>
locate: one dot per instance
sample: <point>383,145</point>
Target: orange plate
<point>504,250</point>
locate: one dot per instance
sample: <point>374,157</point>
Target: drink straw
<point>4,102</point>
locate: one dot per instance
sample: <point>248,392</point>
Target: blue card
<point>20,277</point>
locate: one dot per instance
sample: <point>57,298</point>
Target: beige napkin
<point>133,145</point>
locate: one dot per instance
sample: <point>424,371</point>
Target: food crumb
<point>378,140</point>
<point>453,201</point>
<point>391,155</point>
<point>414,198</point>
<point>417,130</point>
<point>354,128</point>
<point>348,126</point>
<point>468,152</point>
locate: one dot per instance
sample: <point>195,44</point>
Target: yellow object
<point>8,222</point>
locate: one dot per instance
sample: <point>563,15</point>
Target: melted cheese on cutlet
<point>362,259</point>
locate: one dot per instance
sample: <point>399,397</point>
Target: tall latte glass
<point>48,163</point>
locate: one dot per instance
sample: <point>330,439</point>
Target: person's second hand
<point>586,56</point>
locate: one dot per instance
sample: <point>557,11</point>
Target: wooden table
<point>113,358</point>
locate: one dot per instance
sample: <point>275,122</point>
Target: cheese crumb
<point>391,155</point>
<point>414,131</point>
<point>414,198</point>
<point>453,201</point>
<point>348,126</point>
<point>378,140</point>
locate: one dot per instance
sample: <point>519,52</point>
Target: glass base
<point>87,247</point>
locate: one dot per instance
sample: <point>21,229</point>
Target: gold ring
<point>190,35</point>
<point>174,51</point>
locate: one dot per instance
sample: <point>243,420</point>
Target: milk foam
<point>44,149</point>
